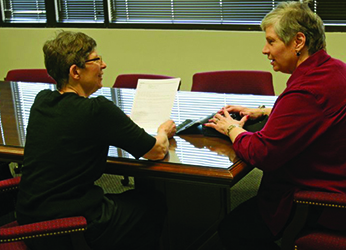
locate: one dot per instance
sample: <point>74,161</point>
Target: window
<point>88,11</point>
<point>213,11</point>
<point>190,11</point>
<point>332,12</point>
<point>175,14</point>
<point>23,11</point>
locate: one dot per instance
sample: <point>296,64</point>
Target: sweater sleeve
<point>295,122</point>
<point>118,130</point>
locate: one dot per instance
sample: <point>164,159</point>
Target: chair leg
<point>125,181</point>
<point>79,242</point>
<point>5,172</point>
<point>18,168</point>
<point>294,227</point>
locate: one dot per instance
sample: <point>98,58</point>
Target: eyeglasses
<point>95,59</point>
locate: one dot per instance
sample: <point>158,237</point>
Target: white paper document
<point>153,102</point>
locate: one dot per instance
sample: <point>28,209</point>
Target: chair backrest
<point>130,80</point>
<point>234,81</point>
<point>29,75</point>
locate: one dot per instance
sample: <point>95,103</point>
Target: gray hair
<point>289,18</point>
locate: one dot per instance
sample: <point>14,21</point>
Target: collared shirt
<point>303,144</point>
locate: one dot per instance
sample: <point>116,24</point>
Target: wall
<point>179,53</point>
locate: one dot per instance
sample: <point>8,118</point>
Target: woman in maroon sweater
<point>303,144</point>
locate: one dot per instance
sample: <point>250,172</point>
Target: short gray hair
<point>291,17</point>
<point>66,49</point>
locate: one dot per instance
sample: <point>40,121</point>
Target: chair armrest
<point>319,198</point>
<point>13,232</point>
<point>9,184</point>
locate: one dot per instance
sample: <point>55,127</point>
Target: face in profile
<point>91,74</point>
<point>282,57</point>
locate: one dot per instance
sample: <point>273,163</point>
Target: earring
<point>298,53</point>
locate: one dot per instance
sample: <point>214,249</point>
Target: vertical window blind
<point>222,12</point>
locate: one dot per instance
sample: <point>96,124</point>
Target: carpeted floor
<point>246,188</point>
<point>112,183</point>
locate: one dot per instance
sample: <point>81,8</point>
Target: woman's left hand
<point>221,122</point>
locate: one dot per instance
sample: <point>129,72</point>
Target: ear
<point>300,40</point>
<point>74,72</point>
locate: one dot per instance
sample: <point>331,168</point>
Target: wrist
<point>230,127</point>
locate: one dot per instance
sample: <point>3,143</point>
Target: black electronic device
<point>196,126</point>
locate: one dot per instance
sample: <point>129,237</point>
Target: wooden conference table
<point>196,175</point>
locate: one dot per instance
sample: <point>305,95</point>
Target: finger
<point>228,108</point>
<point>210,125</point>
<point>217,116</point>
<point>213,120</point>
<point>225,112</point>
<point>232,108</point>
<point>243,120</point>
<point>220,111</point>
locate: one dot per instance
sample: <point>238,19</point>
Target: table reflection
<point>194,150</point>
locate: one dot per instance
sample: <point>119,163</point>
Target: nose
<point>265,50</point>
<point>103,65</point>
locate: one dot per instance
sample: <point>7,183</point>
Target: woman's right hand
<point>168,127</point>
<point>165,131</point>
<point>253,113</point>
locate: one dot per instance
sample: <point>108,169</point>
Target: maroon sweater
<point>303,144</point>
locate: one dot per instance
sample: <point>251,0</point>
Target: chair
<point>12,235</point>
<point>297,236</point>
<point>29,75</point>
<point>234,81</point>
<point>129,81</point>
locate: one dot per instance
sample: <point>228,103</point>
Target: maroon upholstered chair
<point>9,184</point>
<point>298,237</point>
<point>29,75</point>
<point>234,81</point>
<point>12,235</point>
<point>129,81</point>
